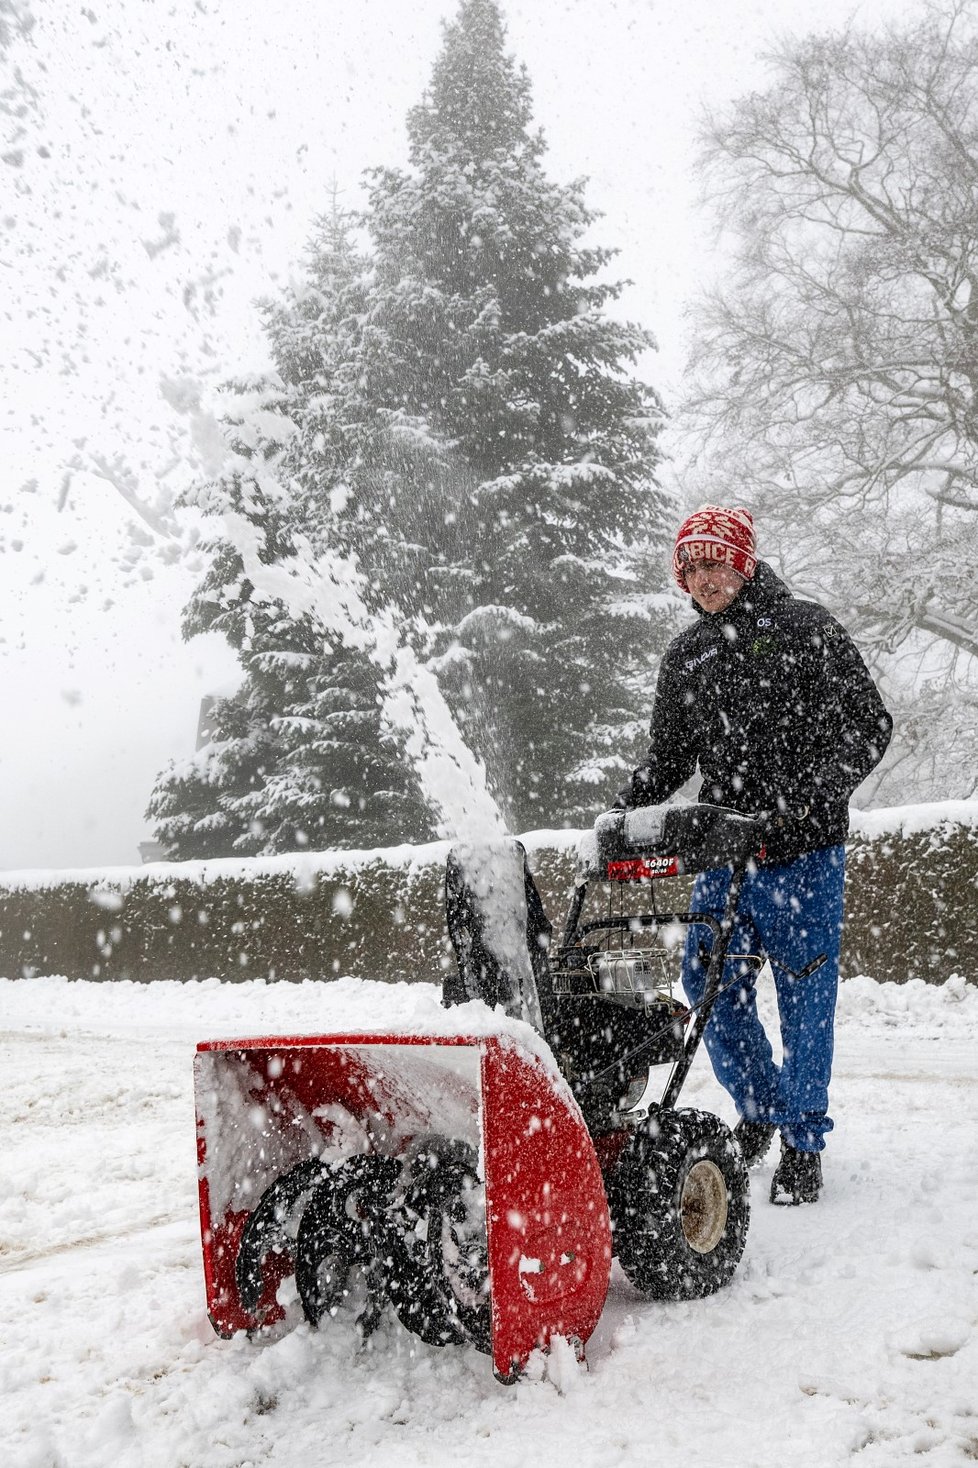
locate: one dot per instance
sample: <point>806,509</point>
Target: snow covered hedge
<point>913,884</point>
<point>911,891</point>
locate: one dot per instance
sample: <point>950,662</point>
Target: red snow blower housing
<point>478,1181</point>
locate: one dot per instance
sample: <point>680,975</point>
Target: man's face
<point>712,585</point>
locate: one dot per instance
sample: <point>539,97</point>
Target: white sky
<point>166,170</point>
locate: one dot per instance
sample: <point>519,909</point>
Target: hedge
<point>911,896</point>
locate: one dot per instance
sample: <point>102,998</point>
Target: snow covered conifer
<point>454,409</point>
<point>486,326</point>
<point>298,755</point>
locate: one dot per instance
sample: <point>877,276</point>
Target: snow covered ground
<point>850,1331</point>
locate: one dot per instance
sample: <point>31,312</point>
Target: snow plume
<point>329,588</point>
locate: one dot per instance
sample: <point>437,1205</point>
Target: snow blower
<point>478,1182</point>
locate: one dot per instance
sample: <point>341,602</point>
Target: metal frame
<point>721,930</point>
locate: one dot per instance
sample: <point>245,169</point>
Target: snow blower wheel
<point>680,1202</point>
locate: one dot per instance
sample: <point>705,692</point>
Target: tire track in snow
<point>26,1260</point>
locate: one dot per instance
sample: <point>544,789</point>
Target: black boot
<point>797,1177</point>
<point>754,1137</point>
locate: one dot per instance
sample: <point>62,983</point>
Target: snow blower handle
<point>652,841</point>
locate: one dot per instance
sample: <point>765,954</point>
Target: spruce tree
<point>486,330</point>
<point>455,409</point>
<point>299,755</point>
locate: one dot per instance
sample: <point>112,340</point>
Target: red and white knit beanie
<point>713,533</point>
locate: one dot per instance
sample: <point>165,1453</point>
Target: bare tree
<point>835,366</point>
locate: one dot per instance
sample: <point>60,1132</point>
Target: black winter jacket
<point>774,703</point>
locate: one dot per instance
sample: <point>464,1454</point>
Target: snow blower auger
<point>467,1179</point>
<point>448,1177</point>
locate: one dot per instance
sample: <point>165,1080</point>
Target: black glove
<point>630,796</point>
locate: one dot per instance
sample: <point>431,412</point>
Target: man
<point>767,694</point>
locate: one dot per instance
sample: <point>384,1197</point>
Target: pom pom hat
<point>715,534</point>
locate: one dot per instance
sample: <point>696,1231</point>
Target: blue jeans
<point>790,914</point>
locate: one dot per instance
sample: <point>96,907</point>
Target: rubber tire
<point>680,1205</point>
